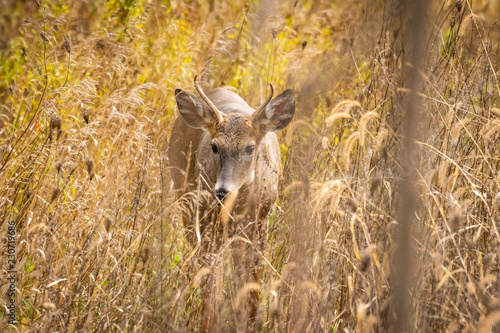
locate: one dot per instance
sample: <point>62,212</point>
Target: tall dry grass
<point>87,91</point>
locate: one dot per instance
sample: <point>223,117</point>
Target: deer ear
<point>194,111</point>
<point>278,113</point>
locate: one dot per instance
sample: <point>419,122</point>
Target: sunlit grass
<point>87,93</point>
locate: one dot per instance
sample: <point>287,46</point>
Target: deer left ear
<point>193,110</point>
<point>278,113</point>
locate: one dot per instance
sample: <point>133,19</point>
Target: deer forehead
<point>234,131</point>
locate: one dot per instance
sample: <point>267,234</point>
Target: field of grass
<point>386,219</point>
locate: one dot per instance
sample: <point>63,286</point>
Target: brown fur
<point>253,176</point>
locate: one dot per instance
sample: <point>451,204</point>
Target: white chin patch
<point>231,187</point>
<point>227,186</point>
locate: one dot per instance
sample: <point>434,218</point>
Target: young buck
<point>224,147</point>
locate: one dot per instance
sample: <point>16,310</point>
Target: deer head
<point>235,136</point>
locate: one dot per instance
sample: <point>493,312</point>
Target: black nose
<point>221,193</point>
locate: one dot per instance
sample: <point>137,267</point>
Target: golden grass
<point>87,91</point>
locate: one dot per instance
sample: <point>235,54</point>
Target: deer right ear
<point>277,114</point>
<point>194,111</point>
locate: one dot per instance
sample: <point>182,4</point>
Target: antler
<point>263,106</point>
<point>211,105</point>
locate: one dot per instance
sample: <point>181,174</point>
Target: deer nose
<point>221,193</point>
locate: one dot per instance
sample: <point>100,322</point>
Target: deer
<point>223,146</point>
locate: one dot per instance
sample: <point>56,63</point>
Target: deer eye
<point>249,149</point>
<point>215,149</point>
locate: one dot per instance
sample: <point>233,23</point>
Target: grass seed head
<point>144,255</point>
<point>275,313</point>
<point>67,43</point>
<point>89,162</point>
<point>55,122</point>
<point>45,39</point>
<point>351,203</point>
<point>455,222</point>
<point>85,115</point>
<point>58,166</point>
<point>107,224</point>
<point>374,184</point>
<point>55,193</point>
<point>365,261</point>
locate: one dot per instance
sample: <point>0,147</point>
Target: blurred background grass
<point>87,91</point>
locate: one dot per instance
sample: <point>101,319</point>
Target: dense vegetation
<point>87,106</point>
